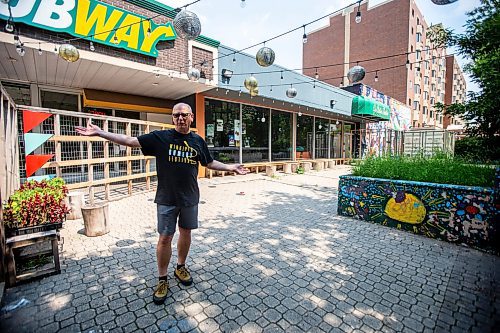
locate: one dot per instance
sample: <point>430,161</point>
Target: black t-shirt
<point>177,156</point>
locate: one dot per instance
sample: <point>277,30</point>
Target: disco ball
<point>194,74</point>
<point>443,2</point>
<point>251,83</point>
<point>356,74</point>
<point>291,92</point>
<point>265,56</point>
<point>187,24</point>
<point>254,91</point>
<point>69,53</point>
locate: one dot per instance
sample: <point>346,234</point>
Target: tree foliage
<point>480,44</point>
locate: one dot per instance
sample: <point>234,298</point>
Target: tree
<point>480,44</point>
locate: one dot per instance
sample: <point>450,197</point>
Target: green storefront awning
<point>369,108</point>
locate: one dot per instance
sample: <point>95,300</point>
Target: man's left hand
<point>239,169</point>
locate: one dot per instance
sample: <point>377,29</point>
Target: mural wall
<point>453,213</point>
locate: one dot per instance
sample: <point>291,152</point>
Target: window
<point>417,88</point>
<point>418,54</point>
<point>220,120</point>
<point>433,87</point>
<point>418,21</point>
<point>432,114</point>
<point>432,103</point>
<point>281,135</point>
<point>304,136</point>
<point>255,134</point>
<point>60,100</point>
<point>20,93</point>
<point>415,105</point>
<point>419,37</point>
<point>425,110</point>
<point>453,99</point>
<point>426,95</point>
<point>426,80</point>
<point>412,13</point>
<point>433,73</point>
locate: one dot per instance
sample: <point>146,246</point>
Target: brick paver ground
<point>275,258</point>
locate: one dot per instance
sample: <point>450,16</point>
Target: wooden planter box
<point>459,214</point>
<point>11,232</point>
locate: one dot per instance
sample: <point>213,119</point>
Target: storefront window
<point>304,137</point>
<point>19,92</point>
<point>348,140</point>
<point>59,100</point>
<point>335,140</point>
<point>255,133</point>
<point>322,134</point>
<point>223,141</point>
<point>281,135</point>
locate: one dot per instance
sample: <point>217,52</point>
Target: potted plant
<point>36,206</point>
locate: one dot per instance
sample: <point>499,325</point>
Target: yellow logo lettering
<point>130,31</point>
<point>85,21</point>
<point>149,41</point>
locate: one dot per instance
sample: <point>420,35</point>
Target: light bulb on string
<point>263,119</point>
<point>281,75</point>
<point>16,40</point>
<point>299,114</point>
<point>39,48</point>
<point>9,26</point>
<point>407,62</point>
<point>55,48</point>
<point>271,88</point>
<point>376,76</point>
<point>91,46</point>
<point>316,75</point>
<point>115,38</point>
<point>234,57</point>
<point>358,14</point>
<point>314,84</point>
<point>304,36</point>
<point>149,28</point>
<point>243,4</point>
<point>20,50</point>
<point>337,122</point>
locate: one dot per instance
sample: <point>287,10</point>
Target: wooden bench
<point>26,240</point>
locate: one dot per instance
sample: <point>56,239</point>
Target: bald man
<point>178,152</point>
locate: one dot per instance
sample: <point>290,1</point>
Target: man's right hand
<point>90,130</point>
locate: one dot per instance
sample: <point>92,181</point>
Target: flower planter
<point>453,213</point>
<point>11,232</point>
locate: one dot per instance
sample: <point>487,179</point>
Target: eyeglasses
<point>183,114</point>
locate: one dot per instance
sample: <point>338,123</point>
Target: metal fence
<point>105,170</point>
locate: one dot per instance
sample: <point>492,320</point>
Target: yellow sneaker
<point>160,293</point>
<point>182,274</point>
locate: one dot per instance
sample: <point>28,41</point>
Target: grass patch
<point>437,169</point>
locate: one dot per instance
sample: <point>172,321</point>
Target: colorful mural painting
<point>453,213</point>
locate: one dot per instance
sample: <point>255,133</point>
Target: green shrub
<point>478,149</point>
<point>437,169</point>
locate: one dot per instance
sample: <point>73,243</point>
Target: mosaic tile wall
<point>453,213</point>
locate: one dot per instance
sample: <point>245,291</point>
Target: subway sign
<point>86,18</point>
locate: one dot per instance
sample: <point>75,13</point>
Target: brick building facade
<point>389,34</point>
<point>456,88</point>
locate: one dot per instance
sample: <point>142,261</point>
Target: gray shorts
<point>167,218</point>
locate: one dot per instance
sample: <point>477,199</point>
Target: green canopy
<point>369,108</point>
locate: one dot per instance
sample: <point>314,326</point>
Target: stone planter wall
<point>453,213</point>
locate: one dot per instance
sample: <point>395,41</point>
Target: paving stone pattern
<point>275,258</point>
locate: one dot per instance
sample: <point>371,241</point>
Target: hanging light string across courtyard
<point>314,81</point>
<point>316,67</point>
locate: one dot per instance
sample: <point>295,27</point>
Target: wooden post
<point>96,220</point>
<point>90,168</point>
<point>129,162</point>
<point>57,133</point>
<point>106,164</point>
<point>148,165</point>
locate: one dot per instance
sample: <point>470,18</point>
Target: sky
<point>260,20</point>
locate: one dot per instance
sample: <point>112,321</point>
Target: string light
<point>115,38</point>
<point>148,32</point>
<point>376,76</point>
<point>234,57</point>
<point>281,75</point>
<point>316,75</point>
<point>407,61</point>
<point>20,50</point>
<point>9,26</point>
<point>243,4</point>
<point>91,46</point>
<point>39,49</point>
<point>358,14</point>
<point>304,36</point>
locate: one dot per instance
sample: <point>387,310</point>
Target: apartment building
<point>390,42</point>
<point>456,89</point>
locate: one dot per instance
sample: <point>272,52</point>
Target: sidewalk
<point>271,255</point>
